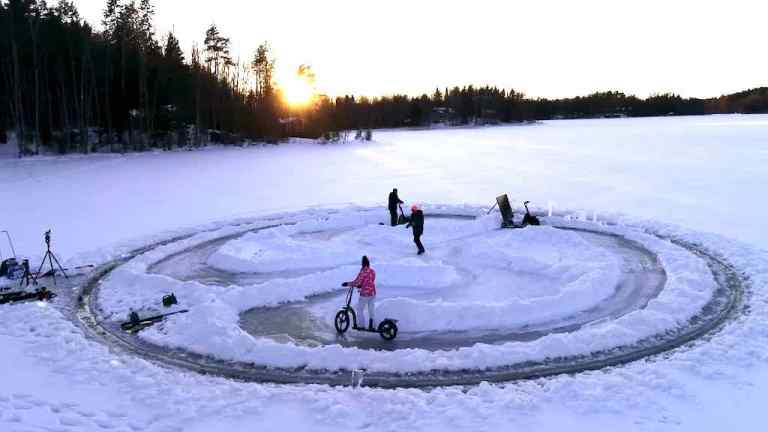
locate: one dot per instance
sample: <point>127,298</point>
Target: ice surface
<point>704,173</point>
<point>425,293</point>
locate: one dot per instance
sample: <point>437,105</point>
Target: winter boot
<point>370,324</point>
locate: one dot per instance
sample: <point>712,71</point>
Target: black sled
<point>136,324</point>
<point>40,294</point>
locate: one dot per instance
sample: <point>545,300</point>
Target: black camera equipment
<point>51,258</point>
<point>27,274</point>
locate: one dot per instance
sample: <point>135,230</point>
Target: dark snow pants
<point>417,240</point>
<point>393,216</point>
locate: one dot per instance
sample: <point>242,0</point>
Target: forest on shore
<point>67,87</point>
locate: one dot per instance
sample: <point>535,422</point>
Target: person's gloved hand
<point>345,284</point>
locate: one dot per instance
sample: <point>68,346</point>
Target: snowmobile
<point>387,328</point>
<point>10,267</point>
<point>529,219</point>
<point>136,324</point>
<point>40,294</point>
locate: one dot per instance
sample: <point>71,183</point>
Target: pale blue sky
<point>546,48</point>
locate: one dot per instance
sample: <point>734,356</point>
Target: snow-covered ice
<point>424,293</point>
<point>703,173</point>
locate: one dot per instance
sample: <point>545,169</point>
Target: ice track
<point>643,279</point>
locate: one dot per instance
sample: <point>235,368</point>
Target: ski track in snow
<point>54,379</point>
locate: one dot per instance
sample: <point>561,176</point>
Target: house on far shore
<point>442,115</point>
<point>292,126</point>
<point>488,117</point>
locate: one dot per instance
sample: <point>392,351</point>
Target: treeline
<point>65,87</point>
<point>490,105</point>
<point>72,89</point>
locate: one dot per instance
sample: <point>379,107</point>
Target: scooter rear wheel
<point>341,322</point>
<point>388,329</point>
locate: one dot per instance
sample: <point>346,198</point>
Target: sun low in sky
<point>297,92</point>
<point>298,88</point>
<point>551,48</point>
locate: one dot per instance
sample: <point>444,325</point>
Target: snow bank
<point>348,235</point>
<point>566,276</point>
<point>211,326</point>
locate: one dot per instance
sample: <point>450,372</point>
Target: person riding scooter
<point>366,283</point>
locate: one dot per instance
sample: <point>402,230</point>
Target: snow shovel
<point>401,219</point>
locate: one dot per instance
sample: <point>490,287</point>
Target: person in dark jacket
<point>394,200</point>
<point>416,221</point>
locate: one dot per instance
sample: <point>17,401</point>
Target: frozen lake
<point>705,173</point>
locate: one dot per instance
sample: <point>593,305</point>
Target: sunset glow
<point>297,92</point>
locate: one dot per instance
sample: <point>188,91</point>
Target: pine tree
<point>217,51</point>
<point>263,68</point>
<point>172,50</point>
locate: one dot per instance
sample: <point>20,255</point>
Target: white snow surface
<point>584,274</point>
<point>475,276</point>
<point>706,173</point>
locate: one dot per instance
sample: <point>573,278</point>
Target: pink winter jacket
<point>366,281</point>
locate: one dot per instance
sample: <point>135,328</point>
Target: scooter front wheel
<point>388,329</point>
<point>342,321</point>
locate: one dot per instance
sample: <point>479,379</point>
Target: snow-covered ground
<point>476,277</point>
<point>704,173</point>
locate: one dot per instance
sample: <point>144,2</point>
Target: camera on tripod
<point>51,258</point>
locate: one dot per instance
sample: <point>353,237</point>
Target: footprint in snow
<point>105,424</point>
<point>85,413</point>
<point>67,420</point>
<point>22,405</point>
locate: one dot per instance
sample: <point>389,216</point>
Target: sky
<point>543,48</point>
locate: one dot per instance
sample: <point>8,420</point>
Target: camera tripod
<point>51,258</point>
<point>27,274</point>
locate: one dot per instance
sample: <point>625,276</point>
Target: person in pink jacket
<point>366,283</point>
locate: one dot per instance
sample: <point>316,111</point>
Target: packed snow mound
<point>332,241</point>
<point>496,280</point>
<point>276,250</point>
<point>474,276</point>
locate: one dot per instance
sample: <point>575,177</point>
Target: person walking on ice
<point>366,283</point>
<point>394,201</point>
<point>417,222</point>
